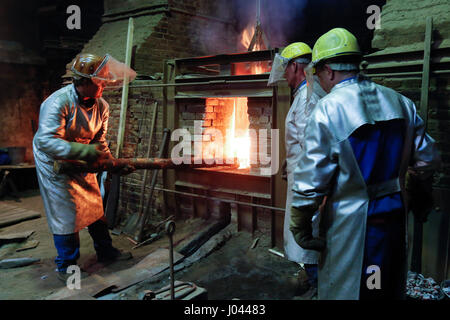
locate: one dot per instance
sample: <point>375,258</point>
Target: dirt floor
<point>233,271</point>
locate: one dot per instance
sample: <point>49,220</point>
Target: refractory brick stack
<point>212,118</point>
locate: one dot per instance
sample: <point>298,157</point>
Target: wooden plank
<point>12,212</point>
<point>4,206</point>
<point>19,217</point>
<point>80,296</point>
<point>30,244</point>
<point>6,209</point>
<point>93,285</point>
<point>16,213</point>
<point>151,265</point>
<point>17,235</point>
<point>90,286</point>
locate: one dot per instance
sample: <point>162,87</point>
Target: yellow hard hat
<point>336,42</point>
<point>295,50</point>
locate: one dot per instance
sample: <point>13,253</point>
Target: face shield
<point>110,73</point>
<point>279,65</point>
<point>310,71</point>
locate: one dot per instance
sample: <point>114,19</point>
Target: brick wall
<point>161,33</point>
<point>140,110</point>
<point>20,99</point>
<point>403,25</point>
<point>260,117</point>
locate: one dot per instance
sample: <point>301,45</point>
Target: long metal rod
<point>125,87</point>
<point>220,199</point>
<point>258,12</point>
<point>114,165</point>
<point>196,83</point>
<point>416,257</point>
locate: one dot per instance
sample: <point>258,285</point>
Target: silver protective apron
<point>71,202</point>
<point>328,168</point>
<point>295,132</point>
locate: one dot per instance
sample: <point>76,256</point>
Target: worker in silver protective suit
<point>289,65</point>
<point>360,141</point>
<point>72,125</point>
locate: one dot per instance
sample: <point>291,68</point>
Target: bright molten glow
<point>237,142</point>
<point>239,139</point>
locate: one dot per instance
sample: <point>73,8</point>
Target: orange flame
<point>235,142</point>
<point>258,67</point>
<point>238,138</point>
<point>246,36</point>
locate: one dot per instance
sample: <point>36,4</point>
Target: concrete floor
<point>233,271</point>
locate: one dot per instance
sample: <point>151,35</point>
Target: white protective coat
<point>294,134</point>
<point>328,167</point>
<point>71,202</point>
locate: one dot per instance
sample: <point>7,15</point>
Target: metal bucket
<point>17,154</point>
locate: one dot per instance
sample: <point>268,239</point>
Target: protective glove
<point>420,195</point>
<point>87,152</point>
<point>301,228</point>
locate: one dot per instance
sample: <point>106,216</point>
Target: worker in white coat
<point>290,64</point>
<point>72,125</point>
<point>360,141</point>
